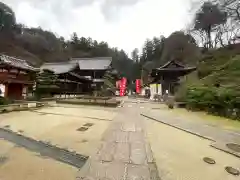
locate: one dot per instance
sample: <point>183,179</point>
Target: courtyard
<point>56,142</point>
<point>75,128</point>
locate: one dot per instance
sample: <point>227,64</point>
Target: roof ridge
<point>93,58</point>
<point>16,62</point>
<point>4,55</point>
<point>58,63</point>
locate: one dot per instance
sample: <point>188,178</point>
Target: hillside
<point>38,46</point>
<point>217,86</point>
<point>226,75</point>
<point>9,48</point>
<point>214,59</point>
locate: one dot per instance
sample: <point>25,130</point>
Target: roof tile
<point>15,62</point>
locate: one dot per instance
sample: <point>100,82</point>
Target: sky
<point>125,24</point>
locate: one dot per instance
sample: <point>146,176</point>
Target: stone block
<point>106,152</point>
<point>122,152</point>
<point>137,136</point>
<point>150,158</point>
<point>129,127</point>
<point>115,171</point>
<point>138,153</point>
<point>137,172</point>
<point>121,136</point>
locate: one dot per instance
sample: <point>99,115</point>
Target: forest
<point>211,42</point>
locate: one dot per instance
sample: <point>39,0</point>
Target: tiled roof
<point>171,63</point>
<point>60,67</point>
<point>98,63</point>
<point>174,65</point>
<point>15,62</point>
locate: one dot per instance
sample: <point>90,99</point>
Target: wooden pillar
<point>77,88</point>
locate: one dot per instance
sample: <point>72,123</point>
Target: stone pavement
<point>125,153</point>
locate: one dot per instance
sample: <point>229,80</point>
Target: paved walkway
<point>125,153</point>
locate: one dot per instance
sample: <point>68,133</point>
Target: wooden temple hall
<point>79,75</point>
<point>16,77</point>
<point>168,76</point>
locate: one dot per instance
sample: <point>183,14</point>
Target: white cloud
<point>122,23</point>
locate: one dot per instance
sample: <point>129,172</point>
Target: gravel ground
<point>57,125</point>
<point>24,165</point>
<point>179,155</point>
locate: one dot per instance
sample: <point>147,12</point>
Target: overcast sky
<point>122,23</point>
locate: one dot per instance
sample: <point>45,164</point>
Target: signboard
<point>155,89</point>
<point>138,86</point>
<point>159,89</point>
<point>2,90</point>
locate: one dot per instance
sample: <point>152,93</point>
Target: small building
<point>80,75</point>
<point>16,77</point>
<point>167,77</point>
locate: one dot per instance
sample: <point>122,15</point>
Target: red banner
<point>138,86</point>
<point>123,85</point>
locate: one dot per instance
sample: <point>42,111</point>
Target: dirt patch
<point>3,159</point>
<point>84,141</point>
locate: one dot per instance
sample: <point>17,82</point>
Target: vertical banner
<point>123,85</point>
<point>138,86</point>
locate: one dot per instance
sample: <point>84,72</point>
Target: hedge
<point>216,100</point>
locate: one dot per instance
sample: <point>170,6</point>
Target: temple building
<point>168,76</point>
<point>16,77</point>
<point>80,75</point>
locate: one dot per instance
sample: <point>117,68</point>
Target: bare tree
<point>232,7</point>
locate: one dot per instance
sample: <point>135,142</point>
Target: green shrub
<point>220,101</point>
<point>217,93</point>
<point>3,101</point>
